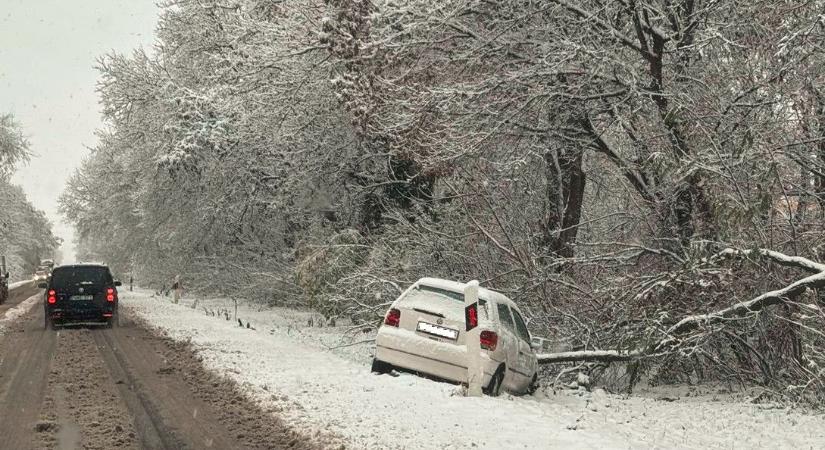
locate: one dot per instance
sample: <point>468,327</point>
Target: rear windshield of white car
<point>455,299</point>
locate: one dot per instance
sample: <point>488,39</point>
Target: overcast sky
<point>48,50</point>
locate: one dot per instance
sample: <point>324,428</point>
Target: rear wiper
<point>429,312</point>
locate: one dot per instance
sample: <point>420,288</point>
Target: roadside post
<point>475,375</point>
<point>4,280</point>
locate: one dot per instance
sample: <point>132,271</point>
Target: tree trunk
<point>408,184</point>
<point>565,196</point>
<point>819,175</point>
<point>691,212</point>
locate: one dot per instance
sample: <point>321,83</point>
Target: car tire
<point>534,385</point>
<point>494,388</point>
<point>381,367</point>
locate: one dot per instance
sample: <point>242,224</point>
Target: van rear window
<point>74,276</point>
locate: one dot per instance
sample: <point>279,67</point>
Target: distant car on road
<point>423,331</point>
<point>41,275</point>
<point>81,293</point>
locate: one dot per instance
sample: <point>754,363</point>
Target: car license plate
<point>82,297</point>
<point>437,330</point>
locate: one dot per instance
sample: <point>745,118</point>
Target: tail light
<point>471,316</point>
<point>110,295</point>
<point>393,318</point>
<point>489,340</point>
<point>52,297</point>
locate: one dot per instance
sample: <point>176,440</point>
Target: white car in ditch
<point>423,331</point>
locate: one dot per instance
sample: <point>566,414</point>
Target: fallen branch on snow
<point>365,341</point>
<point>691,323</point>
<point>588,355</point>
<point>741,309</point>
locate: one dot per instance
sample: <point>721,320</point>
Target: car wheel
<point>381,367</point>
<point>534,385</point>
<point>494,388</point>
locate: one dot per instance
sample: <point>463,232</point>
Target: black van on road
<point>81,293</point>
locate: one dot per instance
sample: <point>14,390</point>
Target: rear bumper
<point>80,315</point>
<point>419,354</point>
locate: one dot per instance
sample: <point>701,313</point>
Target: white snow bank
<point>20,284</point>
<point>333,391</point>
<point>17,311</point>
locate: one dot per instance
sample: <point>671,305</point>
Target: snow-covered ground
<point>17,311</point>
<point>19,284</point>
<point>290,368</point>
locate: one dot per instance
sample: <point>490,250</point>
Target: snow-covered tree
<point>13,145</point>
<point>589,158</point>
<point>25,233</point>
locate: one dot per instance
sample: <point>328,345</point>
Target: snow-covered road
<point>288,368</point>
<point>21,300</point>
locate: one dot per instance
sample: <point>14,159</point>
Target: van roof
<point>456,286</point>
<point>82,264</point>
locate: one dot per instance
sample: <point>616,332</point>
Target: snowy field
<point>290,368</point>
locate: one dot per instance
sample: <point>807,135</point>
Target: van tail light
<point>110,295</point>
<point>393,318</point>
<point>489,340</point>
<point>52,297</point>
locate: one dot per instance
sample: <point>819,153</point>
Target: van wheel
<point>494,388</point>
<point>381,367</point>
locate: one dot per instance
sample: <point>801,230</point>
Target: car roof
<point>456,286</point>
<point>82,265</point>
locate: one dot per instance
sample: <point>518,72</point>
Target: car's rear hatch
<point>80,290</point>
<point>436,313</point>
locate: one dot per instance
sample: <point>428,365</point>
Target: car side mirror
<point>537,343</point>
<point>6,275</point>
<point>42,285</point>
<point>118,283</point>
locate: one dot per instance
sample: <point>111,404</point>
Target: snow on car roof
<point>85,264</point>
<point>457,286</point>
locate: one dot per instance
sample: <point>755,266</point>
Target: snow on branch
<point>779,258</point>
<point>588,355</point>
<point>694,322</point>
<point>740,309</point>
